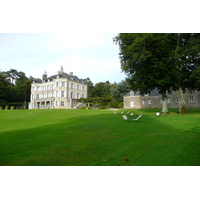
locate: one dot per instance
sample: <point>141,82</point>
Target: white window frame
<point>169,100</point>
<point>62,93</point>
<point>191,98</point>
<point>149,101</point>
<point>63,84</point>
<point>71,95</point>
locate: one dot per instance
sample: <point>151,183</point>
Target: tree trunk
<point>164,104</point>
<point>181,101</point>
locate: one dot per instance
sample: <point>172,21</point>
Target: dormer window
<point>131,93</point>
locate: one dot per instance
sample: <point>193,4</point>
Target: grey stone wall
<point>192,99</point>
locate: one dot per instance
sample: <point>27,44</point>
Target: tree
<point>90,87</point>
<point>187,61</point>
<point>24,91</point>
<point>159,61</point>
<point>4,88</point>
<point>119,90</point>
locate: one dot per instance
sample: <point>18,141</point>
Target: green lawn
<point>98,138</point>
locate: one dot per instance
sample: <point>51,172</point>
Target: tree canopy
<point>159,60</point>
<point>15,86</point>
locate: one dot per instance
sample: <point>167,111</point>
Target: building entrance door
<point>132,103</point>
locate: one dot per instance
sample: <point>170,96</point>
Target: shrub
<point>12,108</point>
<point>120,105</point>
<point>3,103</point>
<point>7,107</point>
<point>113,104</point>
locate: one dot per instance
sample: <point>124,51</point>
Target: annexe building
<point>154,100</point>
<point>58,91</point>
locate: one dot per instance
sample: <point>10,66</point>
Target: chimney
<point>44,76</point>
<point>71,73</point>
<point>61,71</point>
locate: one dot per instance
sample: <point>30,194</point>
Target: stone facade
<point>58,91</point>
<point>154,100</point>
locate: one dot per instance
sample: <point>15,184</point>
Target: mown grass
<point>98,138</point>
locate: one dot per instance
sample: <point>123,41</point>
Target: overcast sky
<point>87,55</point>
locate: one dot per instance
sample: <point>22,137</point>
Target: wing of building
<point>154,100</point>
<point>58,91</point>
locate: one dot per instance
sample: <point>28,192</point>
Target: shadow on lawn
<point>101,140</point>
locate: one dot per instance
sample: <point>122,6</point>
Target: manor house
<point>154,100</point>
<point>58,91</point>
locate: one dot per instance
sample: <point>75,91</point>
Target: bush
<point>7,107</point>
<point>113,104</point>
<point>3,103</point>
<point>12,108</point>
<point>120,105</point>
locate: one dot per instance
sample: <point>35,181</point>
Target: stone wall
<point>192,100</point>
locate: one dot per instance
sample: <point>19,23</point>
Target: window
<point>82,95</point>
<point>82,88</point>
<point>62,93</point>
<point>149,101</point>
<point>63,84</point>
<point>71,95</point>
<point>56,84</point>
<point>72,85</point>
<point>56,93</point>
<point>77,87</point>
<point>168,100</point>
<point>62,103</point>
<point>77,95</point>
<point>176,100</point>
<point>56,103</point>
<point>191,99</point>
<point>143,102</point>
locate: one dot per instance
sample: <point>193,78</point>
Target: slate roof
<point>136,93</point>
<point>64,75</point>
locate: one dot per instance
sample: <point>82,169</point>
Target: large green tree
<point>19,85</point>
<point>4,88</point>
<point>161,61</point>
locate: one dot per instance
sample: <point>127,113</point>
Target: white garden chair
<point>137,118</point>
<point>125,118</point>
